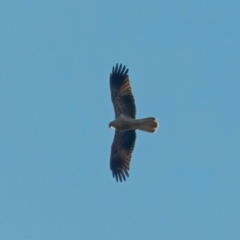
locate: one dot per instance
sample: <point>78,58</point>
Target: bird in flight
<point>125,123</point>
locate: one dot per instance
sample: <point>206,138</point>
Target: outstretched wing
<point>121,153</point>
<point>121,92</point>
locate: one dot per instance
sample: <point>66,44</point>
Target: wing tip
<point>120,69</point>
<point>120,174</point>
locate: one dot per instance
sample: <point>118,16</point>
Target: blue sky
<point>184,65</point>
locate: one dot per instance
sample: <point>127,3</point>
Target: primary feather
<point>121,92</point>
<point>121,153</point>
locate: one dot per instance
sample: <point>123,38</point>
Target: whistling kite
<point>125,123</point>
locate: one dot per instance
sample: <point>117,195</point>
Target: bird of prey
<point>125,123</point>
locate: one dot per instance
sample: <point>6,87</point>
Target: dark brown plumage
<point>121,153</point>
<point>125,123</point>
<point>123,103</point>
<point>121,92</point>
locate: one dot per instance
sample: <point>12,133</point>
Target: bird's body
<point>125,123</point>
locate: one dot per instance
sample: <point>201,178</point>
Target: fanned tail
<point>149,124</point>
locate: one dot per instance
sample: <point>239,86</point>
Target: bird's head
<point>111,125</point>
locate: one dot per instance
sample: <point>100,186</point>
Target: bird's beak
<point>110,126</point>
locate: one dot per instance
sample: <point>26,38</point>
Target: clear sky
<point>184,66</point>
